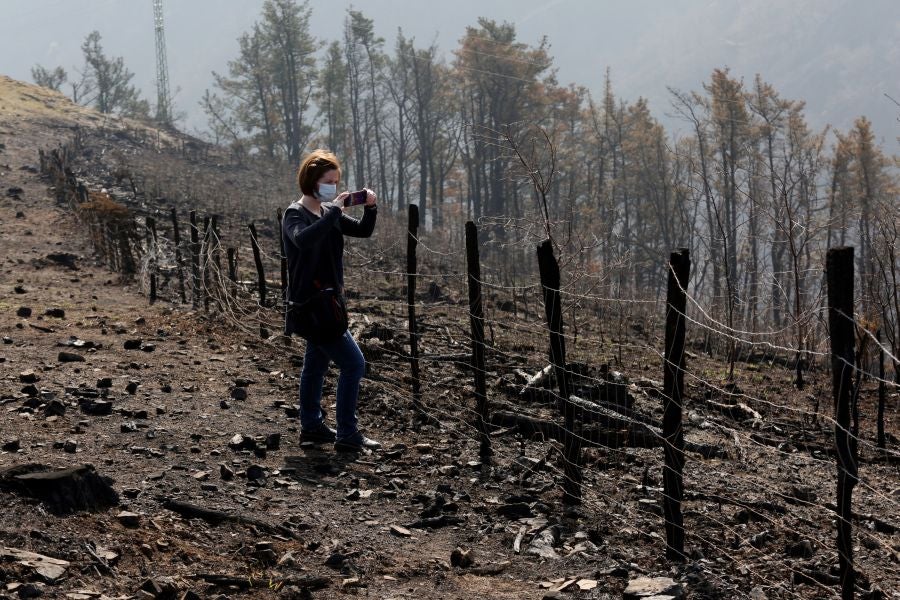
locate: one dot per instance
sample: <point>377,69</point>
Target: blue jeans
<point>347,356</point>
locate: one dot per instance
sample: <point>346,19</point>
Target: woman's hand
<point>340,201</point>
<point>371,198</point>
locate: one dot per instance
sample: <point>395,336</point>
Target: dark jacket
<point>314,247</point>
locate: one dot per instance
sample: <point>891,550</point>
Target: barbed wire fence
<point>464,348</point>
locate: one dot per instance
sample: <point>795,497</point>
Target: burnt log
<point>216,517</point>
<point>626,435</point>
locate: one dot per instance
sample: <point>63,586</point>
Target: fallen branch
<point>737,411</point>
<point>215,517</point>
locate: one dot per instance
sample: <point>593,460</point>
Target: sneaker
<point>323,434</point>
<point>356,443</point>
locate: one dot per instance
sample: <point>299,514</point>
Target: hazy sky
<point>841,56</point>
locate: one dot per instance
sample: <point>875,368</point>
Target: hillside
<point>190,414</point>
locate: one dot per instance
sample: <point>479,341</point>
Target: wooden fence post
<point>204,262</point>
<point>673,395</point>
<point>283,256</point>
<point>411,243</point>
<point>216,248</point>
<point>232,265</point>
<point>151,263</point>
<point>550,284</point>
<point>882,392</point>
<point>176,238</point>
<point>260,273</point>
<point>839,272</point>
<point>476,314</point>
<point>195,260</point>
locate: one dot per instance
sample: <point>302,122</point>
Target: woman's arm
<point>304,234</point>
<point>361,228</point>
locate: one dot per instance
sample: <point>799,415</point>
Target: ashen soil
<point>320,524</point>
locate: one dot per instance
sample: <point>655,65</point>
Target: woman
<point>314,228</point>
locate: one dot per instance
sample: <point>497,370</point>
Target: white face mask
<point>327,192</point>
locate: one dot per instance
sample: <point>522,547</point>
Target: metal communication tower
<point>163,100</point>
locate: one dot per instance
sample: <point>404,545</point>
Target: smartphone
<point>356,198</point>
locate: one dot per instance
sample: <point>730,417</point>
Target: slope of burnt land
<point>197,483</point>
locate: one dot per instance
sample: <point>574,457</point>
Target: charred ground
<point>197,400</point>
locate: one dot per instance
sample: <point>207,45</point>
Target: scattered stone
<point>128,427</point>
<point>70,446</point>
<point>517,510</point>
<point>400,531</point>
<point>104,382</point>
<point>226,473</point>
<point>586,584</point>
<point>11,445</point>
<point>133,344</point>
<point>223,404</point>
<point>55,407</point>
<point>56,313</point>
<point>803,493</point>
<point>28,377</point>
<point>23,312</point>
<point>335,560</point>
<point>256,474</point>
<point>273,441</point>
<point>239,393</point>
<point>242,442</point>
<point>132,387</point>
<point>801,549</point>
<point>542,544</point>
<point>148,347</point>
<point>265,553</point>
<point>48,568</point>
<point>462,558</point>
<point>30,390</point>
<point>646,587</point>
<point>129,519</point>
<point>67,357</point>
<point>97,408</point>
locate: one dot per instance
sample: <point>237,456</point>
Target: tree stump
<point>63,491</point>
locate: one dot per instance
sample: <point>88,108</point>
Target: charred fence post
<point>673,395</point>
<point>232,264</point>
<point>217,248</point>
<point>195,260</point>
<point>476,314</point>
<point>411,242</point>
<point>151,263</point>
<point>260,273</point>
<point>550,284</point>
<point>839,273</point>
<point>283,256</point>
<point>176,238</point>
<point>882,392</point>
<point>204,262</point>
